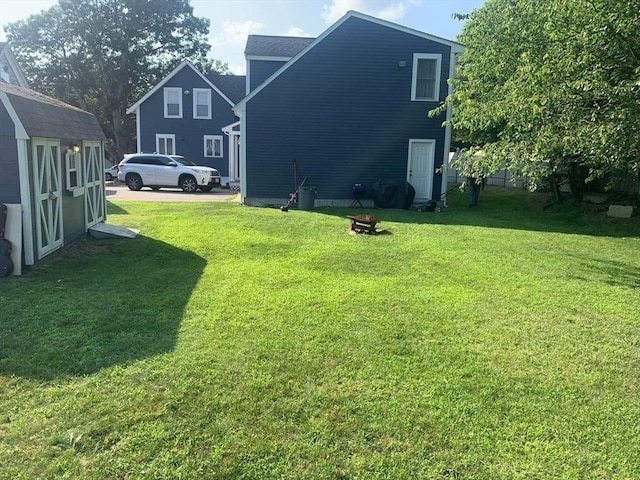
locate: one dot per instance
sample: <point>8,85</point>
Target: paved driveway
<point>119,191</point>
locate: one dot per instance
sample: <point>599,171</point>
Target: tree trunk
<point>119,135</point>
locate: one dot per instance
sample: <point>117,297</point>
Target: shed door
<point>48,195</point>
<point>94,197</point>
<point>420,168</point>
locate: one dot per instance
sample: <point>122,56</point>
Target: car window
<point>164,161</point>
<point>136,160</point>
<point>144,161</point>
<point>184,161</point>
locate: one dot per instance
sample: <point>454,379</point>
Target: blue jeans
<point>474,194</point>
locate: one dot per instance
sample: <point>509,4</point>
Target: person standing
<point>475,184</point>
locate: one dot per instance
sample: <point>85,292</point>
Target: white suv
<point>155,170</point>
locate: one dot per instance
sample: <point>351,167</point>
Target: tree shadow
<point>508,208</point>
<point>101,303</point>
<point>611,272</point>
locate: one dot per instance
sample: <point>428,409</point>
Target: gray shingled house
<point>51,172</point>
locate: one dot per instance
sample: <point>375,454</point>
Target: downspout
<point>448,129</point>
<point>241,113</point>
<point>138,144</point>
<point>231,157</point>
<point>243,157</point>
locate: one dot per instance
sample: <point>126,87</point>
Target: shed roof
<point>43,116</point>
<point>275,46</point>
<point>233,86</point>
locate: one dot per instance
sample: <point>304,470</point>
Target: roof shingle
<point>43,116</point>
<point>233,86</point>
<point>274,46</point>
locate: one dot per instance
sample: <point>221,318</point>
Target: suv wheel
<point>188,184</point>
<point>134,182</point>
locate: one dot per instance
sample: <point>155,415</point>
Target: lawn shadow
<point>611,272</point>
<point>507,208</point>
<point>113,209</point>
<point>104,303</point>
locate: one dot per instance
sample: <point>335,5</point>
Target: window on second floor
<point>202,103</point>
<point>172,102</point>
<point>425,85</point>
<point>213,145</point>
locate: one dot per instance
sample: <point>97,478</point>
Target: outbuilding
<point>51,173</point>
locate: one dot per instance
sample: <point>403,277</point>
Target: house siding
<point>9,173</point>
<point>260,70</point>
<point>189,132</point>
<point>343,113</point>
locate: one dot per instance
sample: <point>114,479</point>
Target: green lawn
<point>228,342</point>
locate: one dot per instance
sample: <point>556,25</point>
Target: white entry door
<point>94,197</point>
<point>47,189</point>
<point>420,167</point>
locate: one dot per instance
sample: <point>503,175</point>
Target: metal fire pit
<point>363,224</point>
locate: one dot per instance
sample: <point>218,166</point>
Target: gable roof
<point>184,64</point>
<point>7,54</point>
<point>233,86</point>
<point>43,116</point>
<point>274,46</point>
<point>455,47</point>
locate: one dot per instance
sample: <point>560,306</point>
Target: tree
<point>550,88</point>
<point>102,55</point>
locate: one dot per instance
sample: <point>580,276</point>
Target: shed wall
<point>9,174</point>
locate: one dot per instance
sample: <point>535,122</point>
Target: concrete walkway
<point>116,191</point>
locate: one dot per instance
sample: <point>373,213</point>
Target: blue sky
<point>232,20</point>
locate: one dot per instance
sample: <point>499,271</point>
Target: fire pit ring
<point>363,224</point>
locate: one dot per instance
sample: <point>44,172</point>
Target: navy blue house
<point>191,114</point>
<point>350,106</point>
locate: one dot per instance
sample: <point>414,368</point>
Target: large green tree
<point>551,88</point>
<point>102,55</point>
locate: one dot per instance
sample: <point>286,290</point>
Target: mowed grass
<point>229,342</point>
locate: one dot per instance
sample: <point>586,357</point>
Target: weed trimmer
<point>293,196</point>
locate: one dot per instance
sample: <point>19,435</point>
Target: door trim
<point>430,167</point>
<point>47,194</point>
<point>93,170</point>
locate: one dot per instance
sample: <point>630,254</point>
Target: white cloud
<point>238,69</point>
<point>338,8</point>
<point>396,10</point>
<point>385,9</point>
<point>235,33</point>
<point>296,32</point>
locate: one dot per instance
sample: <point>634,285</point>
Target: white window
<point>425,84</point>
<point>172,102</point>
<point>166,143</point>
<point>4,73</point>
<point>74,170</point>
<point>213,145</point>
<point>201,103</point>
